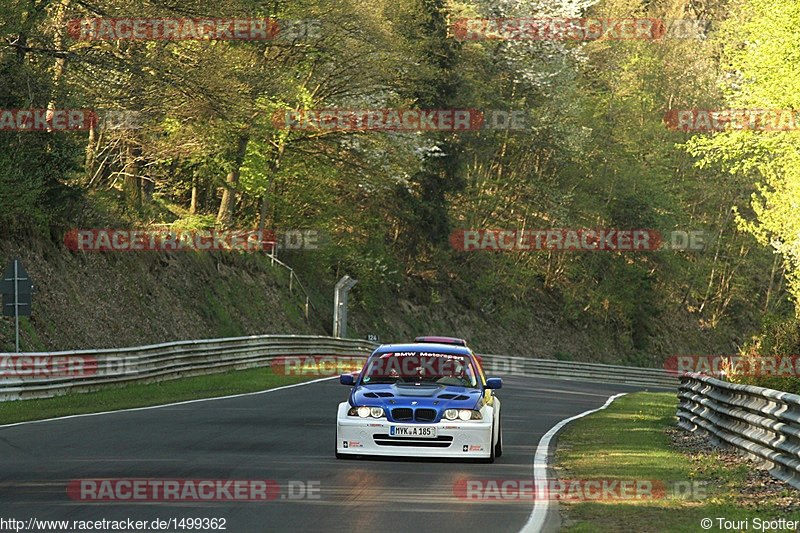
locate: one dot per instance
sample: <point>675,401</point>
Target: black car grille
<point>405,414</point>
<point>402,414</point>
<point>425,415</point>
<point>438,442</point>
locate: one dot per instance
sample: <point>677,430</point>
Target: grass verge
<point>143,395</point>
<point>629,441</point>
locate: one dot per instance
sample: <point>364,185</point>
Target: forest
<point>267,126</point>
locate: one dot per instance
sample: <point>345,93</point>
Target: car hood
<point>430,395</point>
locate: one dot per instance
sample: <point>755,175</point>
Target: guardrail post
<point>340,305</point>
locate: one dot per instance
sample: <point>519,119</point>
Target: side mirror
<point>347,379</point>
<point>494,383</point>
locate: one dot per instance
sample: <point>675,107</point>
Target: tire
<point>498,449</point>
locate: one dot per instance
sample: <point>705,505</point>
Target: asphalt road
<point>285,435</point>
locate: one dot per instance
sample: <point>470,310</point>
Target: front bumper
<point>370,436</point>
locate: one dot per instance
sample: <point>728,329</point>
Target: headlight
<point>366,412</point>
<point>451,414</point>
<point>468,414</point>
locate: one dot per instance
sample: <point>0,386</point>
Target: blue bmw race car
<point>421,400</point>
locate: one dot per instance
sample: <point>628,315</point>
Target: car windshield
<point>420,367</point>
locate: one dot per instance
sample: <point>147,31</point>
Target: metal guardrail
<point>500,365</point>
<point>88,370</point>
<point>763,424</point>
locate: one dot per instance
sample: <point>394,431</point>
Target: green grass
<point>563,356</point>
<point>628,441</point>
<point>216,310</point>
<point>143,395</point>
<point>35,344</point>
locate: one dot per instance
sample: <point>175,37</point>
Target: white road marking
<point>186,402</point>
<point>541,504</point>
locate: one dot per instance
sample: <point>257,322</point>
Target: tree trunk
<point>225,214</point>
<point>274,166</point>
<point>193,207</point>
<point>59,22</point>
<point>148,188</point>
<point>771,282</point>
<point>91,156</point>
<point>133,185</point>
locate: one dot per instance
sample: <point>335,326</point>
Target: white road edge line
<point>166,404</point>
<point>538,515</point>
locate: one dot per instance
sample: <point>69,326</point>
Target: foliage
<point>594,154</point>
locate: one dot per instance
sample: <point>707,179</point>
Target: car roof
<point>441,340</point>
<point>424,347</point>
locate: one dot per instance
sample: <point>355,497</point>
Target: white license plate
<point>424,432</point>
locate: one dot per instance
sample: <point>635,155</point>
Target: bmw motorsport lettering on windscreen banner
<point>422,400</point>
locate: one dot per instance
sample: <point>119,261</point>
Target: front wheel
<point>498,449</point>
